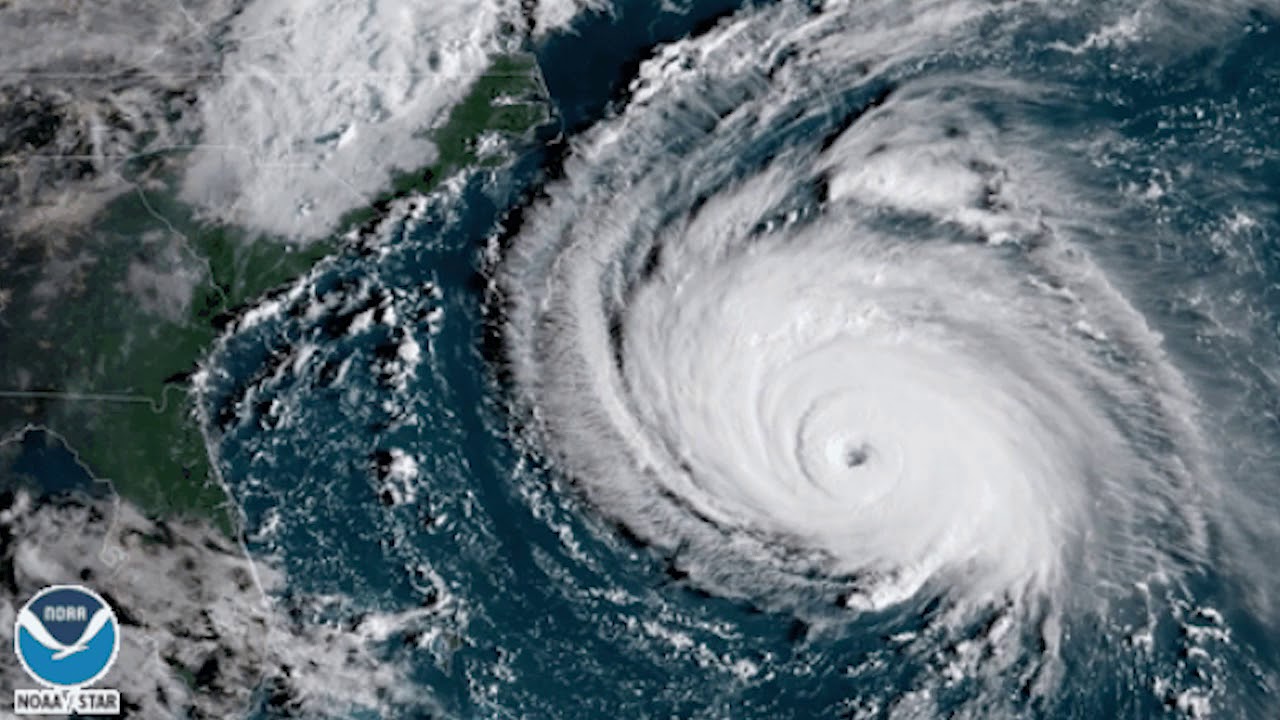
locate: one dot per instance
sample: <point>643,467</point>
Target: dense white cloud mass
<point>318,103</point>
<point>279,115</point>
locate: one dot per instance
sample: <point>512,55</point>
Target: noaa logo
<point>66,637</point>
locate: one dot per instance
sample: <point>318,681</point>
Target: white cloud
<point>320,102</point>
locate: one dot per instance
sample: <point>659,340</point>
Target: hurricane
<point>865,360</point>
<point>830,330</point>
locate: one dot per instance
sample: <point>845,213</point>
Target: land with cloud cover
<point>206,632</point>
<point>156,189</point>
<point>165,170</point>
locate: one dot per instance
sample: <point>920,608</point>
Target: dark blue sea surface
<point>366,427</point>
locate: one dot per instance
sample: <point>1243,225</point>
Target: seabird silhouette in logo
<point>28,621</point>
<point>66,636</point>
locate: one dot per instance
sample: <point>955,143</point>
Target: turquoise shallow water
<point>367,428</point>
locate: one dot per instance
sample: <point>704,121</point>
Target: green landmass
<point>102,340</point>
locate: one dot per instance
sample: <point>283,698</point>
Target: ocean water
<point>882,360</point>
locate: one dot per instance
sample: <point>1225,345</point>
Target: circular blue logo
<point>66,636</point>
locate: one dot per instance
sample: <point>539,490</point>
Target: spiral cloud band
<point>833,335</point>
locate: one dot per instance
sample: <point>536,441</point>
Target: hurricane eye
<point>857,456</point>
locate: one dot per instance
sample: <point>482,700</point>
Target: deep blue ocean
<point>367,429</point>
